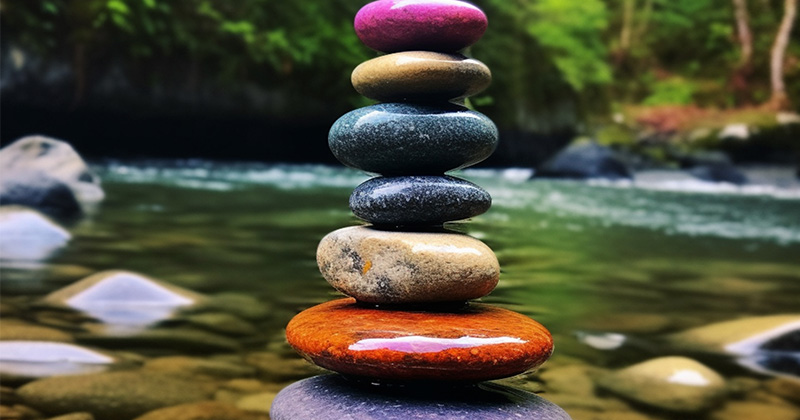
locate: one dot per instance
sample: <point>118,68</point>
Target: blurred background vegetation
<point>183,77</point>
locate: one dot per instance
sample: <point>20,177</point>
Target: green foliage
<point>571,31</point>
<point>672,91</point>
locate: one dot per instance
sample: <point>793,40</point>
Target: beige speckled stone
<point>669,383</point>
<point>378,266</point>
<point>420,76</point>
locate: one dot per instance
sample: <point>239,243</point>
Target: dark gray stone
<point>418,200</point>
<point>719,172</point>
<point>333,397</point>
<point>584,161</point>
<point>48,175</point>
<point>405,139</point>
<point>40,191</point>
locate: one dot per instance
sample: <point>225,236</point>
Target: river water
<point>640,259</point>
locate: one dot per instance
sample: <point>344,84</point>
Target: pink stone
<point>430,25</point>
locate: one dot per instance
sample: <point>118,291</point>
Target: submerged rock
<point>113,395</point>
<point>124,298</point>
<point>668,383</point>
<point>584,161</point>
<point>205,410</point>
<point>24,360</point>
<point>16,331</point>
<point>49,175</point>
<point>767,344</point>
<point>199,366</point>
<point>26,234</point>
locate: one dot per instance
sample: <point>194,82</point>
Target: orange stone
<point>475,343</point>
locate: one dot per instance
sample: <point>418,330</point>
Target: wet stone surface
<point>379,266</point>
<point>473,343</point>
<point>405,139</point>
<point>332,397</point>
<point>418,200</point>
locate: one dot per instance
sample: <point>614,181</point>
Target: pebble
<point>675,384</point>
<point>199,366</point>
<point>74,416</point>
<point>473,343</point>
<point>124,298</point>
<point>22,331</point>
<point>112,395</point>
<point>331,397</point>
<point>412,139</point>
<point>205,410</point>
<point>26,234</point>
<point>24,360</point>
<point>420,76</point>
<point>434,25</point>
<point>418,200</point>
<point>378,266</point>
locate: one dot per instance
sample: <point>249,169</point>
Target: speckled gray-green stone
<point>406,139</point>
<point>418,200</point>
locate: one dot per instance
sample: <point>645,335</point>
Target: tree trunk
<point>744,68</point>
<point>779,99</point>
<point>621,54</point>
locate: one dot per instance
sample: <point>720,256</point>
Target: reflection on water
<point>624,265</point>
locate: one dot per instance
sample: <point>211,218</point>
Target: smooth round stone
<point>332,397</point>
<point>418,200</point>
<point>405,139</point>
<point>475,343</point>
<point>420,76</point>
<point>377,266</point>
<point>433,25</point>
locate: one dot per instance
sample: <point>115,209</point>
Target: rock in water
<point>766,344</point>
<point>378,266</point>
<point>113,395</point>
<point>331,397</point>
<point>584,161</point>
<point>40,191</point>
<point>420,76</point>
<point>668,383</point>
<point>33,156</point>
<point>124,298</point>
<point>418,200</point>
<point>412,139</point>
<point>26,234</point>
<point>41,359</point>
<point>473,343</point>
<point>405,25</point>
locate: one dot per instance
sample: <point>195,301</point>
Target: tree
<point>744,68</point>
<point>779,99</point>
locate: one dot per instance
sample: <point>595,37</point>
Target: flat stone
<point>674,384</point>
<point>16,330</point>
<point>433,25</point>
<point>378,266</point>
<point>418,200</point>
<point>195,366</point>
<point>112,395</point>
<point>473,343</point>
<point>765,344</point>
<point>124,298</point>
<point>405,139</point>
<point>24,360</point>
<point>420,76</point>
<point>26,234</point>
<point>204,410</point>
<point>331,397</point>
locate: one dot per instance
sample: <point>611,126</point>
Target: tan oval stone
<point>420,76</point>
<point>673,383</point>
<point>377,266</point>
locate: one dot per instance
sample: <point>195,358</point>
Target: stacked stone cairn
<point>408,344</point>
